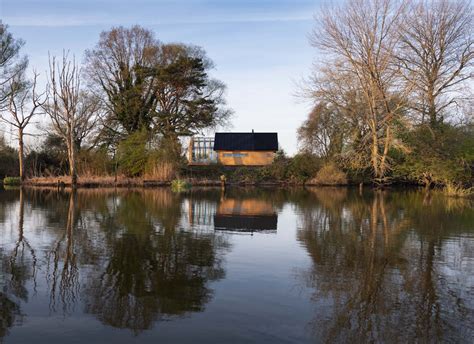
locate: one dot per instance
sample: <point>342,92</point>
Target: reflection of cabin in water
<point>245,215</point>
<point>234,149</point>
<point>232,214</point>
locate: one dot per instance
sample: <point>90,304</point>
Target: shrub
<point>302,167</point>
<point>180,185</point>
<point>11,181</point>
<point>95,162</point>
<point>445,153</point>
<point>132,154</point>
<point>329,174</point>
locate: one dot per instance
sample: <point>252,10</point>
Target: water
<point>247,266</point>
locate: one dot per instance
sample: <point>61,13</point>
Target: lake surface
<point>318,265</point>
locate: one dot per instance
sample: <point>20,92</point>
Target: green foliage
<point>302,167</point>
<point>11,181</point>
<point>164,88</point>
<point>139,154</point>
<point>440,155</point>
<point>132,153</point>
<point>295,170</point>
<point>8,159</point>
<point>180,185</point>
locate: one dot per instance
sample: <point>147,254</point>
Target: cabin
<point>234,149</point>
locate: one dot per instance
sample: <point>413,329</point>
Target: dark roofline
<point>246,141</point>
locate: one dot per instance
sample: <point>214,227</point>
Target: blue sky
<point>260,48</point>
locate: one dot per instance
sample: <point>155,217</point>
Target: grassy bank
<point>110,181</point>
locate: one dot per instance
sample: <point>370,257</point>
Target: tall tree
<point>120,66</point>
<point>63,91</point>
<point>164,88</point>
<point>437,54</point>
<point>361,36</point>
<point>24,103</point>
<point>188,100</point>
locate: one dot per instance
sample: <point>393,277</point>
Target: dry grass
<point>93,181</point>
<point>109,181</point>
<point>453,190</point>
<point>329,174</point>
<point>161,172</point>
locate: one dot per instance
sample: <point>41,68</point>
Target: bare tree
<point>63,91</point>
<point>436,54</point>
<point>91,111</point>
<point>362,37</point>
<point>24,103</point>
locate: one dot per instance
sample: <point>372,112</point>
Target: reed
<point>454,190</point>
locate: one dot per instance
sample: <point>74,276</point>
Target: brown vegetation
<point>329,174</point>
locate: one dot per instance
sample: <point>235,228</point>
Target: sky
<point>260,47</point>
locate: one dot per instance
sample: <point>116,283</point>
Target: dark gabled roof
<point>246,141</point>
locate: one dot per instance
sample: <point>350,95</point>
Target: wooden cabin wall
<point>245,158</point>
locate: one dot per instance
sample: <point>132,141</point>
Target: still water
<point>246,266</point>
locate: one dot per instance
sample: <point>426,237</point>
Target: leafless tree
<point>91,111</point>
<point>24,103</point>
<point>437,54</point>
<point>63,90</point>
<point>362,37</point>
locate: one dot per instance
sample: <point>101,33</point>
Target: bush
<point>132,154</point>
<point>95,162</point>
<point>329,174</point>
<point>445,153</point>
<point>11,181</point>
<point>180,185</point>
<point>302,167</point>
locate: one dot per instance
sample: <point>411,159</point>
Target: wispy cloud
<point>191,12</point>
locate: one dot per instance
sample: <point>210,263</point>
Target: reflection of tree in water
<point>16,267</point>
<point>122,253</point>
<point>9,311</point>
<point>153,268</point>
<point>63,272</point>
<point>375,278</point>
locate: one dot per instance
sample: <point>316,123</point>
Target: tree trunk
<point>72,161</point>
<point>385,153</point>
<point>20,154</point>
<point>375,152</point>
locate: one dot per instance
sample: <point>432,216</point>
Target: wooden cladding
<point>245,158</point>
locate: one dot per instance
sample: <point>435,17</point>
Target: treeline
<point>392,91</point>
<point>123,111</point>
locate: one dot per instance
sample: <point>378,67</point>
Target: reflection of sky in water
<point>132,259</point>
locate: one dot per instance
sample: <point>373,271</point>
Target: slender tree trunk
<point>375,151</point>
<point>72,160</point>
<point>385,152</point>
<point>21,154</point>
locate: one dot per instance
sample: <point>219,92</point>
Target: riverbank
<point>111,181</point>
<point>450,189</point>
<point>108,181</point>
